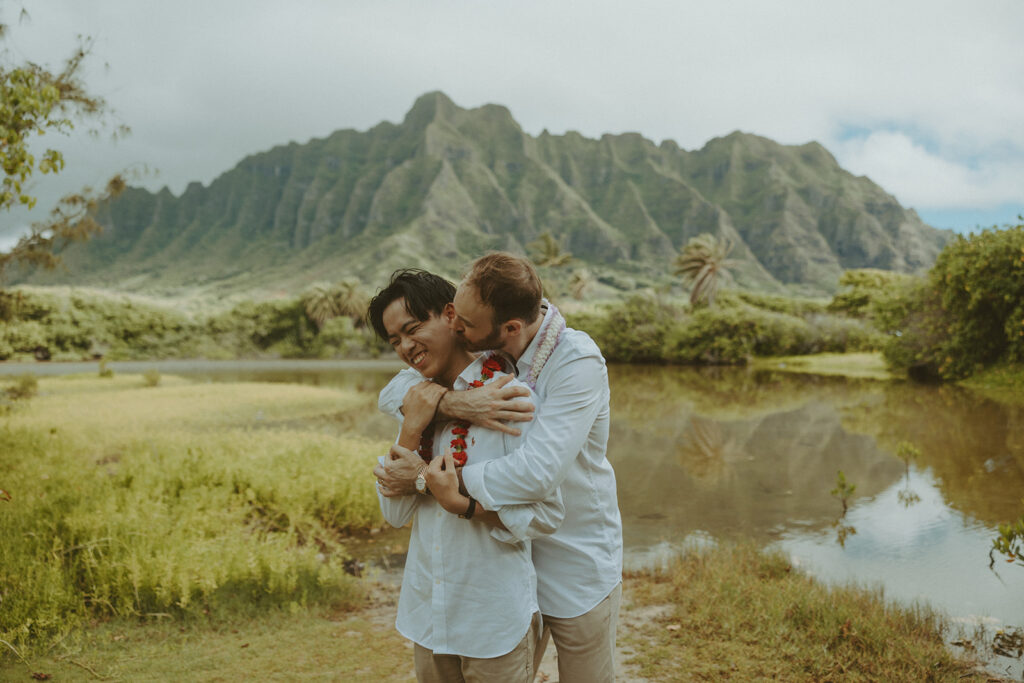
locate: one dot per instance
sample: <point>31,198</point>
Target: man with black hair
<point>468,599</point>
<point>579,567</point>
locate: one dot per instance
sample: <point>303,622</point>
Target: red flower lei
<point>460,428</point>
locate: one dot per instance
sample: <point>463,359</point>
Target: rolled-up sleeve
<point>532,472</point>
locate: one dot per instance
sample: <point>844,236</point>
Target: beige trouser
<point>514,667</point>
<point>586,644</point>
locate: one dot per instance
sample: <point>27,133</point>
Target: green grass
<point>1003,382</point>
<point>318,643</point>
<point>182,499</point>
<point>739,614</point>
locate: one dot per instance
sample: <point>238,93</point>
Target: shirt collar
<point>472,372</point>
<point>526,360</point>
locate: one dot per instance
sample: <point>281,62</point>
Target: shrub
<point>80,325</point>
<point>646,329</point>
<point>634,331</point>
<point>713,337</point>
<point>773,302</point>
<point>980,282</point>
<point>862,288</point>
<point>25,387</point>
<point>969,314</point>
<point>22,337</point>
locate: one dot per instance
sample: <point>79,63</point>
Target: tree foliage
<point>968,314</point>
<point>704,264</point>
<point>862,288</point>
<point>35,101</point>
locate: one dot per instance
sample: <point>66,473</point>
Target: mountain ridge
<point>447,184</point>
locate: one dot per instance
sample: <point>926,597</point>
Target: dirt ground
<point>384,604</point>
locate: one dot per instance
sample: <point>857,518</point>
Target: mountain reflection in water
<point>727,453</point>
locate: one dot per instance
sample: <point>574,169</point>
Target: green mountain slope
<point>448,184</point>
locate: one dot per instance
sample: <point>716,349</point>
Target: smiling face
<point>473,321</point>
<point>428,346</point>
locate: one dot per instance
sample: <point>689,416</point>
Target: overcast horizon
<point>926,99</point>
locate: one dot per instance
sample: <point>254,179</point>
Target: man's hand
<point>491,406</point>
<point>420,404</point>
<point>397,476</point>
<point>444,484</point>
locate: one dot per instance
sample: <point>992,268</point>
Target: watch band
<point>468,514</point>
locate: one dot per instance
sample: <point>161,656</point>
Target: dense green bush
<point>773,302</point>
<point>862,290</point>
<point>646,329</point>
<point>967,314</point>
<point>634,331</point>
<point>74,326</point>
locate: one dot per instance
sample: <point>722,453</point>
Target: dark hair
<point>508,284</point>
<point>424,294</point>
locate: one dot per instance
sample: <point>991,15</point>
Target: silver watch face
<point>421,483</point>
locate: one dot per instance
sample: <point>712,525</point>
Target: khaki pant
<point>586,644</point>
<point>515,667</point>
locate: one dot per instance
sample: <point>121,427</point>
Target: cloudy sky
<point>924,97</point>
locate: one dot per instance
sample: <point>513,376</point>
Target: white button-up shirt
<point>565,446</point>
<point>469,589</point>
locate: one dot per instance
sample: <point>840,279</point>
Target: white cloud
<point>918,177</point>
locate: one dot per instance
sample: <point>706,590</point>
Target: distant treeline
<point>74,326</point>
<point>966,314</point>
<point>741,325</point>
<point>644,329</point>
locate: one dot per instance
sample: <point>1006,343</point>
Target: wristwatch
<point>468,514</point>
<point>421,482</point>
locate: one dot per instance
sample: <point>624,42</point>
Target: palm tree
<point>704,264</point>
<point>548,252</point>
<point>344,298</point>
<point>580,282</point>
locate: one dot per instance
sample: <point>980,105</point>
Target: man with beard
<point>499,305</point>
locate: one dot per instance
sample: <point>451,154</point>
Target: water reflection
<point>714,454</point>
<point>689,459</point>
<point>928,552</point>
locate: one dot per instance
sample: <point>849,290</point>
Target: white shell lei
<point>549,338</point>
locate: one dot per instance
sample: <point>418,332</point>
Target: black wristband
<point>468,514</point>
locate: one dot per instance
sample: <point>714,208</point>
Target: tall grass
<point>174,500</point>
<point>737,613</point>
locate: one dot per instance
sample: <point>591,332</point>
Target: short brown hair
<point>508,284</point>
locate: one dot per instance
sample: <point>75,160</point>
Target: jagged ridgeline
<point>448,184</point>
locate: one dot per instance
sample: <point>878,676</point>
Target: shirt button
<point>438,582</point>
